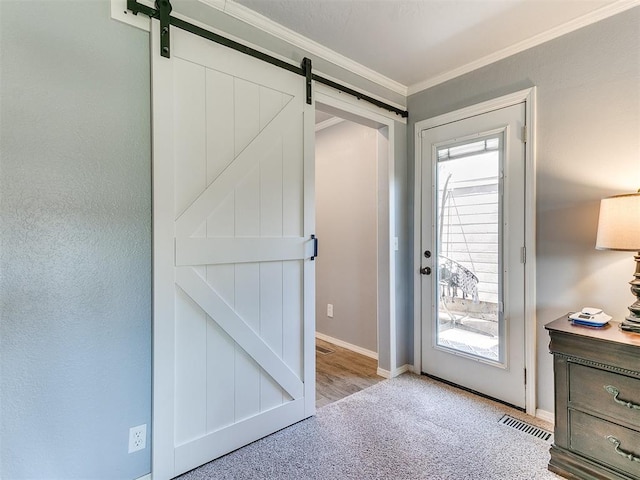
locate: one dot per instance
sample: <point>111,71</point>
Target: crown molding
<point>583,21</point>
<point>261,22</point>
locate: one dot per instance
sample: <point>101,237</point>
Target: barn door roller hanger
<point>162,12</point>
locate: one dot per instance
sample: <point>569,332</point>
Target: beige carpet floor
<point>410,427</point>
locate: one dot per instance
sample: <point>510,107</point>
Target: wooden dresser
<point>597,402</point>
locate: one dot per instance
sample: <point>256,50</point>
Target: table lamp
<point>619,229</point>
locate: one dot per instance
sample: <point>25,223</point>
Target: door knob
<point>425,270</point>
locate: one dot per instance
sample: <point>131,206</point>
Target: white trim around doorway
<point>529,97</point>
<point>386,226</point>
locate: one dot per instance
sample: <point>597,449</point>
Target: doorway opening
<point>347,268</point>
<point>353,301</point>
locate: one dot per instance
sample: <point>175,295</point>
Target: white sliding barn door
<point>233,338</point>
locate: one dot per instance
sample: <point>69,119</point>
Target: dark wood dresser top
<point>607,344</point>
<point>608,333</point>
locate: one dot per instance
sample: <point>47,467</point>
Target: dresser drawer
<point>589,437</point>
<point>587,391</point>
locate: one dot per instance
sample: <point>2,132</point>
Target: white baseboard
<point>545,415</point>
<point>398,371</point>
<point>348,346</point>
<point>146,477</point>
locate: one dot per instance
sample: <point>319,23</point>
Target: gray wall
<point>346,222</point>
<point>75,292</point>
<point>588,147</point>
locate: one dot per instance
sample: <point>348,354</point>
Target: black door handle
<point>315,247</point>
<point>425,270</point>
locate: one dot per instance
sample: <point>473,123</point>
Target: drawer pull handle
<point>615,392</point>
<point>619,451</point>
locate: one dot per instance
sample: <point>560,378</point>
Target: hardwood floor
<point>342,373</point>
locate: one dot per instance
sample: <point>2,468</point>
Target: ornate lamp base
<point>634,309</point>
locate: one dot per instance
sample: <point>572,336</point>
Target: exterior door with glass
<point>472,248</point>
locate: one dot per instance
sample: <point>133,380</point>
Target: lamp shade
<point>619,223</point>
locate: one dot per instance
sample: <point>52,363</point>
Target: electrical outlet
<point>137,438</point>
<point>330,310</point>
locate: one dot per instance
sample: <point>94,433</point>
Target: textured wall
<point>346,222</point>
<point>588,147</point>
<point>75,292</point>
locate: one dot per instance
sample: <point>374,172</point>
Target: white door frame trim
<point>529,97</point>
<point>332,98</point>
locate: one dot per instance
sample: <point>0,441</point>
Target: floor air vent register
<point>527,428</point>
<point>323,350</point>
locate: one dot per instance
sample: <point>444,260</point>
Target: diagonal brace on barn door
<point>189,220</point>
<point>233,325</point>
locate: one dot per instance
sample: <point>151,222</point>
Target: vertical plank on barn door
<point>233,282</point>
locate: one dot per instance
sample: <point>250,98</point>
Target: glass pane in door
<point>468,234</point>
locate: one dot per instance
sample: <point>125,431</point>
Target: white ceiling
<point>418,43</point>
